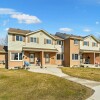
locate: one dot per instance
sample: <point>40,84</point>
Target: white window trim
<point>77,40</point>
<point>33,40</point>
<point>60,56</point>
<point>75,44</point>
<point>50,40</point>
<point>74,57</point>
<point>59,44</point>
<point>87,42</point>
<point>19,38</point>
<point>95,45</point>
<point>18,56</point>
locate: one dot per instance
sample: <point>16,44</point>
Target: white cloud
<point>65,29</point>
<point>87,30</point>
<point>21,17</point>
<point>25,18</point>
<point>97,22</point>
<point>7,29</point>
<point>6,11</point>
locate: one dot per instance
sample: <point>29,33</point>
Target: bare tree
<point>4,40</point>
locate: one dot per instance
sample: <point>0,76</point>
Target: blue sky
<point>79,17</point>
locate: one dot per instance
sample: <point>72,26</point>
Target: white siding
<point>17,45</point>
<point>60,48</point>
<point>14,45</point>
<point>41,44</point>
<point>90,47</point>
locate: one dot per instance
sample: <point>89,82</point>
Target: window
<point>60,56</point>
<point>94,44</point>
<point>86,43</point>
<point>16,56</point>
<point>48,41</point>
<point>19,38</point>
<point>76,41</point>
<point>59,42</point>
<point>20,56</point>
<point>33,40</point>
<point>74,56</point>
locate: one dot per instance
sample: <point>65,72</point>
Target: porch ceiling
<point>39,49</point>
<point>89,51</point>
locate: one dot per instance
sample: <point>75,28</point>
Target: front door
<point>47,58</point>
<point>32,56</point>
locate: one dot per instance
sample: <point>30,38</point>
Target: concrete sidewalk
<point>56,71</point>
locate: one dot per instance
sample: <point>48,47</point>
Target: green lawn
<point>24,85</point>
<point>86,73</point>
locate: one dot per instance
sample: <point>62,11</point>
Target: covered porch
<point>46,56</point>
<point>90,58</point>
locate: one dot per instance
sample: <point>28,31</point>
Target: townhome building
<point>25,45</point>
<point>80,50</point>
<point>53,50</point>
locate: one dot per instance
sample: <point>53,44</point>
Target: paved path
<point>56,71</point>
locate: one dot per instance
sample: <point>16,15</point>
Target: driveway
<point>56,71</point>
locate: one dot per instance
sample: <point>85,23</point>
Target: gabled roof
<point>92,37</point>
<point>18,31</point>
<point>57,37</point>
<point>41,30</point>
<point>27,32</point>
<point>66,36</point>
<point>3,49</point>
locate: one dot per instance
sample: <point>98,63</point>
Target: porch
<point>46,56</point>
<point>90,58</point>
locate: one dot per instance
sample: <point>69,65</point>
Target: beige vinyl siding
<point>90,44</point>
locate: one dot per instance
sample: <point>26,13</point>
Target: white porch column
<point>94,58</point>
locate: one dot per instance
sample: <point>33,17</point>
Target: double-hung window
<point>48,41</point>
<point>75,56</point>
<point>76,42</point>
<point>86,43</point>
<point>19,38</point>
<point>60,56</point>
<point>59,42</point>
<point>16,56</point>
<point>33,39</point>
<point>94,44</point>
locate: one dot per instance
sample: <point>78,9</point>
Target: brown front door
<point>47,58</point>
<point>32,58</point>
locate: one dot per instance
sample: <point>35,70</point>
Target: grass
<point>86,73</point>
<point>24,85</point>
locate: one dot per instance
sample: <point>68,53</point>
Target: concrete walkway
<point>56,71</point>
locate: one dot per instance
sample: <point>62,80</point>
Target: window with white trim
<point>86,43</point>
<point>48,41</point>
<point>60,56</point>
<point>94,44</point>
<point>16,56</point>
<point>19,38</point>
<point>59,42</point>
<point>33,39</point>
<point>76,42</point>
<point>75,56</point>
